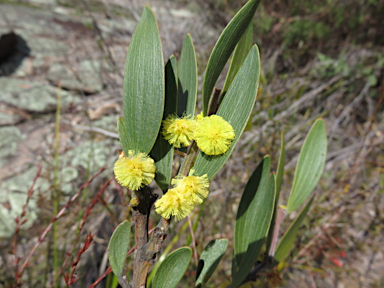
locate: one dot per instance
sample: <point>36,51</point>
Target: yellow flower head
<point>173,203</point>
<point>194,188</point>
<point>179,131</point>
<point>135,170</point>
<point>214,135</point>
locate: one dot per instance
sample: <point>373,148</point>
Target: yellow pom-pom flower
<point>179,131</point>
<point>135,170</point>
<point>214,135</point>
<point>194,188</point>
<point>173,203</point>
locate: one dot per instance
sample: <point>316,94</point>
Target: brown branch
<point>140,218</point>
<point>146,255</point>
<point>146,251</point>
<point>213,104</point>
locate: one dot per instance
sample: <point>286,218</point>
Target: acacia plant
<point>160,120</point>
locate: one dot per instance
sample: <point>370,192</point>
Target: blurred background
<point>319,59</point>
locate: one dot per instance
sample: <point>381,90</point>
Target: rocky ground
<point>76,54</point>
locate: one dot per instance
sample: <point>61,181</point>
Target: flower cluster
<point>134,170</point>
<point>213,135</point>
<point>187,192</point>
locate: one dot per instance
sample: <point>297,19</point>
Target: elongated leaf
<point>209,260</point>
<point>241,52</point>
<point>187,79</point>
<point>279,181</point>
<point>286,242</point>
<point>118,248</point>
<point>235,108</point>
<point>143,95</point>
<point>309,166</point>
<point>123,135</point>
<point>253,219</point>
<point>162,151</point>
<point>224,47</point>
<point>173,268</point>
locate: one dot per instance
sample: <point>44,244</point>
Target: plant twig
<point>140,213</point>
<point>146,255</point>
<point>81,226</point>
<point>276,228</point>
<point>56,191</point>
<point>193,240</point>
<point>109,270</point>
<point>71,278</point>
<point>214,102</point>
<point>49,227</point>
<point>319,233</point>
<point>20,220</point>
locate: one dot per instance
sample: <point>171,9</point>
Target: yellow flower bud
<point>195,188</point>
<point>134,201</point>
<point>173,203</point>
<point>135,170</point>
<point>179,131</point>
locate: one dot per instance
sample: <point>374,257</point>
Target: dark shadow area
<point>159,151</point>
<point>212,264</point>
<point>247,199</point>
<point>182,100</point>
<point>246,261</point>
<point>13,49</point>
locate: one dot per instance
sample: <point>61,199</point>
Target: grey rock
<point>33,96</point>
<point>13,197</point>
<point>45,46</point>
<point>86,78</point>
<point>9,116</point>
<point>9,136</point>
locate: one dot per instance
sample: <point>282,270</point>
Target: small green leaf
<point>279,181</point>
<point>209,260</point>
<point>118,248</point>
<point>224,47</point>
<point>309,166</point>
<point>162,151</point>
<point>235,108</point>
<point>253,219</point>
<point>286,242</point>
<point>172,269</point>
<point>241,52</point>
<point>187,79</point>
<point>143,93</point>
